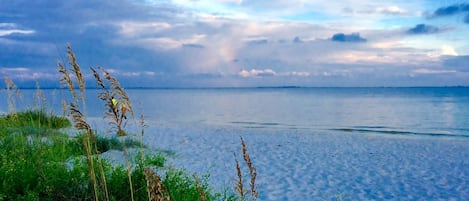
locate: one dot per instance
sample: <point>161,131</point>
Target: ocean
<point>308,143</point>
<point>392,111</point>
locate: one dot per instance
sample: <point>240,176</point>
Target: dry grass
<point>117,102</point>
<point>239,187</point>
<point>40,99</point>
<point>203,196</point>
<point>76,69</point>
<point>80,123</point>
<point>156,190</point>
<point>13,93</point>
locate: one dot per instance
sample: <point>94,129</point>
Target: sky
<point>240,43</point>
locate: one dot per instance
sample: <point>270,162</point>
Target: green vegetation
<point>39,160</point>
<point>51,165</point>
<point>34,118</point>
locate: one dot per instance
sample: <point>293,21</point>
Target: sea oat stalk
<point>239,186</point>
<point>155,187</point>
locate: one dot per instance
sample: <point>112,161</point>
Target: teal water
<point>391,111</point>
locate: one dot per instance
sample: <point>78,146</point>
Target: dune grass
<point>34,118</point>
<point>40,161</point>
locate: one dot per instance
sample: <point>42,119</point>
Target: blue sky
<point>240,43</point>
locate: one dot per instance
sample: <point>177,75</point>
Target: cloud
<point>257,73</point>
<point>457,62</point>
<point>451,10</point>
<point>448,50</point>
<point>136,28</point>
<point>270,73</point>
<point>27,74</point>
<point>12,28</point>
<point>13,70</point>
<point>392,10</point>
<point>189,45</point>
<point>258,42</point>
<point>432,71</point>
<point>297,40</point>
<point>353,37</point>
<point>423,29</point>
<point>454,9</point>
<point>173,40</point>
<point>300,74</point>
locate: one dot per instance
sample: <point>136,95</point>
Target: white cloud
<point>7,25</point>
<point>12,28</point>
<point>391,10</point>
<point>232,1</point>
<point>448,50</point>
<point>21,73</point>
<point>15,31</point>
<point>135,28</point>
<point>270,72</point>
<point>13,70</point>
<point>300,74</point>
<point>256,73</point>
<point>149,73</point>
<point>131,74</point>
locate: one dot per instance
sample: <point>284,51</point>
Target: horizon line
<point>258,87</point>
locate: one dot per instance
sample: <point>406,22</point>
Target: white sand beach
<point>306,165</point>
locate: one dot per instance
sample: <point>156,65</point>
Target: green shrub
<point>182,186</point>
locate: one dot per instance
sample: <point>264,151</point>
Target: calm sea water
<point>413,111</point>
<point>435,112</point>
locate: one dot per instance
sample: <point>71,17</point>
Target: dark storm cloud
<point>423,29</point>
<point>92,27</point>
<point>353,37</point>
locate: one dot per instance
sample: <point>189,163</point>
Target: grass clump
<point>34,118</point>
<point>32,167</point>
<point>104,143</point>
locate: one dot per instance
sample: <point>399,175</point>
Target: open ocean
<point>311,143</point>
<point>438,112</point>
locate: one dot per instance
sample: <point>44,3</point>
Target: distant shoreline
<point>265,87</point>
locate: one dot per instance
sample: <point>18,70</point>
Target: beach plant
<point>33,166</point>
<point>35,118</point>
<point>183,186</point>
<point>155,187</point>
<point>117,102</point>
<point>80,123</point>
<point>243,192</point>
<point>13,93</point>
<point>40,100</point>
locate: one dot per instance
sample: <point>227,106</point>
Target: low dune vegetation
<point>45,156</point>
